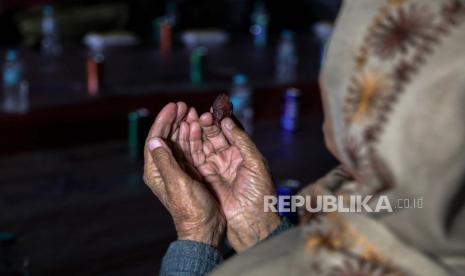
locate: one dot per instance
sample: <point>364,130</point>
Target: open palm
<point>238,176</point>
<point>170,175</point>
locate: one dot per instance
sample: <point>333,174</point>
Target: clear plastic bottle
<point>286,58</point>
<point>322,32</point>
<point>51,42</point>
<point>15,87</point>
<point>241,98</point>
<point>259,28</point>
<point>172,12</point>
<point>291,112</point>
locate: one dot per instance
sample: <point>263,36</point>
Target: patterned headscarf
<point>393,90</point>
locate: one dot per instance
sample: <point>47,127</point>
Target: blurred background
<point>81,84</point>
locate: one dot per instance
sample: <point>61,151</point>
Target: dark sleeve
<point>189,258</point>
<point>194,258</point>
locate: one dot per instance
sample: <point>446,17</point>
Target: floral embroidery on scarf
<point>361,268</point>
<point>333,233</point>
<point>329,232</point>
<point>402,34</point>
<point>366,90</point>
<point>403,28</point>
<point>353,151</point>
<point>453,12</point>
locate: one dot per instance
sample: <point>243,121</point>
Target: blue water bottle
<point>287,189</point>
<point>291,111</point>
<point>259,28</point>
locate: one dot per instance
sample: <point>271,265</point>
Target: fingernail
<point>228,123</point>
<point>154,143</point>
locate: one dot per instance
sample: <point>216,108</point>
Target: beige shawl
<point>393,89</point>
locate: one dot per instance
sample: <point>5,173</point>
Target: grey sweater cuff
<point>194,258</point>
<point>189,258</point>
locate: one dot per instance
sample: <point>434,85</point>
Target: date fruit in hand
<point>222,108</point>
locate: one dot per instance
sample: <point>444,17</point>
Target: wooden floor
<point>86,211</point>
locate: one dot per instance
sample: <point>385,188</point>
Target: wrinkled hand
<point>194,209</point>
<point>237,172</point>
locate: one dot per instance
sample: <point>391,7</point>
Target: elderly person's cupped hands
<point>207,174</point>
<point>168,173</point>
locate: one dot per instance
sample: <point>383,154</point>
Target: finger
<point>183,140</point>
<point>206,119</point>
<point>182,111</point>
<point>160,128</point>
<point>236,136</point>
<point>181,114</point>
<point>213,133</point>
<point>163,123</point>
<point>196,145</point>
<point>208,148</point>
<point>153,178</point>
<point>200,149</point>
<point>192,115</point>
<point>172,174</point>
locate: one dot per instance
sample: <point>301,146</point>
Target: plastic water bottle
<point>291,112</point>
<point>241,98</point>
<point>286,189</point>
<point>286,60</point>
<point>259,28</point>
<point>15,88</point>
<point>51,44</point>
<point>165,35</point>
<point>322,31</point>
<point>138,125</point>
<point>197,65</point>
<point>172,12</point>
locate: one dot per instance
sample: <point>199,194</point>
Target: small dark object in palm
<point>222,108</point>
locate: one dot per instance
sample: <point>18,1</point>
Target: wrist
<point>245,234</point>
<point>267,227</point>
<point>207,234</point>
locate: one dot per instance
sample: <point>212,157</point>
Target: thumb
<point>238,137</point>
<point>169,169</point>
